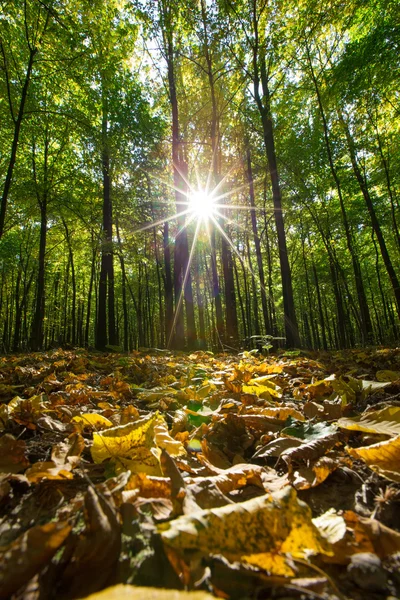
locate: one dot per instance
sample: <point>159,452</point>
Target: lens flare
<point>202,205</point>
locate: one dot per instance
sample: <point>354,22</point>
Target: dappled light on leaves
<point>174,469</point>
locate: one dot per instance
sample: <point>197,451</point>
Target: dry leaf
<point>12,455</point>
<point>28,554</point>
<point>92,421</point>
<point>386,421</point>
<point>234,530</point>
<point>131,447</point>
<point>311,450</point>
<point>308,476</point>
<point>96,554</point>
<point>131,592</point>
<point>383,457</point>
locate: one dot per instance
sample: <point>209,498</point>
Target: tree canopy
<point>210,174</point>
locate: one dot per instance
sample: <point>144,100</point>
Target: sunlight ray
<point>244,264</point>
<point>161,221</point>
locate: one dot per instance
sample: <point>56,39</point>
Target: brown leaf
<point>12,455</point>
<point>311,450</point>
<point>28,554</point>
<point>95,557</point>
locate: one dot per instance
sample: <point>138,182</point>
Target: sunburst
<point>203,207</point>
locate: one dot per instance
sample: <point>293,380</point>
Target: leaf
<point>309,431</point>
<point>310,451</point>
<point>131,447</point>
<point>308,476</point>
<point>281,413</point>
<point>96,554</point>
<point>387,375</point>
<point>383,457</point>
<point>133,592</point>
<point>262,391</point>
<point>385,421</point>
<point>331,525</point>
<point>276,447</point>
<point>319,389</point>
<point>28,554</point>
<point>234,530</point>
<point>165,441</point>
<point>48,470</point>
<point>92,421</point>
<point>12,455</point>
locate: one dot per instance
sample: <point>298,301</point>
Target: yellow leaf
<point>135,446</point>
<point>383,457</point>
<point>386,421</point>
<point>133,592</point>
<point>283,521</point>
<point>92,421</point>
<point>48,470</point>
<point>319,389</point>
<point>35,403</point>
<point>281,412</point>
<point>262,391</point>
<point>308,476</point>
<point>270,561</point>
<point>164,440</point>
<point>388,375</point>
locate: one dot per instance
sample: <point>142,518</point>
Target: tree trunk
<point>264,107</point>
<point>366,325</point>
<point>17,129</point>
<point>374,219</point>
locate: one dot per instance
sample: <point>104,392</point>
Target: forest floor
<point>242,476</point>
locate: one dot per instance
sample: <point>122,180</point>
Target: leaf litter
<point>173,475</point>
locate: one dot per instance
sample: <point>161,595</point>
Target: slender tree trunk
<point>17,130</point>
<point>90,291</point>
<point>37,325</point>
<point>264,107</point>
<point>372,213</point>
<point>106,303</point>
<point>257,244</point>
<point>123,285</point>
<point>73,282</point>
<point>366,325</point>
<point>182,276</point>
<point>168,288</point>
<point>321,315</point>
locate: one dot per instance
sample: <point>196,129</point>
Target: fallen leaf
<point>132,592</point>
<point>383,457</point>
<point>48,470</point>
<point>386,421</point>
<point>387,375</point>
<point>12,455</point>
<point>92,421</point>
<point>234,530</point>
<point>28,554</point>
<point>314,473</point>
<point>96,554</point>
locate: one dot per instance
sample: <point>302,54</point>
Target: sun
<point>202,205</point>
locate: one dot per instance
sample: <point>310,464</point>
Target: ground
<point>244,476</point>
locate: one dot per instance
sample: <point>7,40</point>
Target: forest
<point>199,175</point>
<point>199,299</point>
